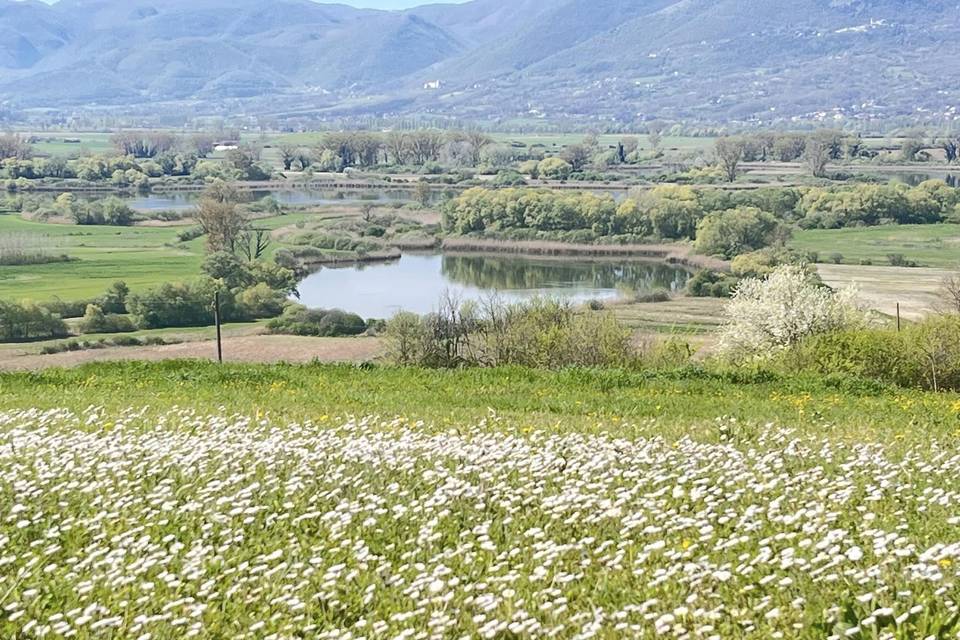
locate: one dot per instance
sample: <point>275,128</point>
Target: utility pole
<point>216,318</point>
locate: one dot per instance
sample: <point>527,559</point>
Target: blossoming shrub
<point>767,315</point>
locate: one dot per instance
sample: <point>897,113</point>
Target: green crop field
<point>189,500</point>
<point>932,245</point>
<point>141,256</point>
<point>70,144</point>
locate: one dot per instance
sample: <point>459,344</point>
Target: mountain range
<point>521,59</point>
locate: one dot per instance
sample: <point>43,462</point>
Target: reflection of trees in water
<point>916,179</point>
<point>507,273</point>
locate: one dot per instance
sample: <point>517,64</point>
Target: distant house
<point>433,85</point>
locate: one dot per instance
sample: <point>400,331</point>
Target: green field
<point>684,402</point>
<point>54,143</point>
<point>189,500</point>
<point>932,245</point>
<point>141,256</point>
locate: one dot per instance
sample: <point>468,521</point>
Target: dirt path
<point>259,349</point>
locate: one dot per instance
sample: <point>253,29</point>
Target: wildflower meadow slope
<point>180,524</point>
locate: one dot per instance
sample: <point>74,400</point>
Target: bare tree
<point>425,146</point>
<point>950,294</point>
<point>13,145</point>
<point>655,134</point>
<point>478,141</point>
<point>817,156</point>
<point>288,155</point>
<point>397,144</point>
<point>578,155</point>
<point>729,152</point>
<point>366,212</point>
<point>221,220</point>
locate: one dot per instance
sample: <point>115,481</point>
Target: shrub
<point>735,231</point>
<point>260,301</point>
<point>67,308</point>
<point>20,322</point>
<point>658,295</point>
<point>900,260</point>
<point>181,305</point>
<point>96,321</point>
<point>540,333</point>
<point>190,233</point>
<point>768,315</point>
<point>711,284</point>
<point>300,321</point>
<point>925,355</point>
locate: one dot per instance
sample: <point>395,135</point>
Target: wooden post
<point>898,317</point>
<point>216,318</point>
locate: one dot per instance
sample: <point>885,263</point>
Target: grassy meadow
<point>931,245</point>
<point>188,500</point>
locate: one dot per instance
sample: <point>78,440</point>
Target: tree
<point>655,134</point>
<point>422,193</point>
<point>950,294</point>
<point>425,146</point>
<point>769,315</point>
<point>912,146</point>
<point>577,155</point>
<point>729,152</point>
<point>816,156</point>
<point>397,144</point>
<point>950,147</point>
<point>554,169</point>
<point>737,231</point>
<point>221,220</point>
<point>477,141</point>
<point>288,155</point>
<point>13,145</point>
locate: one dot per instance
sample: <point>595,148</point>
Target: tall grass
<point>18,249</point>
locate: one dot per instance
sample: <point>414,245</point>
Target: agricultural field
<point>931,245</point>
<point>141,256</point>
<point>189,500</point>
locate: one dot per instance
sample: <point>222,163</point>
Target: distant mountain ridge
<point>617,59</point>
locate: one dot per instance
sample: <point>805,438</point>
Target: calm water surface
<point>416,282</point>
<point>184,200</point>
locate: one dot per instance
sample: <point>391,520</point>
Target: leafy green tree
<point>736,231</point>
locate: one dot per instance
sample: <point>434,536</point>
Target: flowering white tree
<point>768,315</point>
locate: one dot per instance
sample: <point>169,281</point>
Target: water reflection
<point>509,273</point>
<point>416,282</point>
<point>186,200</point>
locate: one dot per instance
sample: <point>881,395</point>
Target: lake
<point>186,200</point>
<point>416,282</point>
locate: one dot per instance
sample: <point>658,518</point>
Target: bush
<point>657,295</point>
<point>900,260</point>
<point>735,231</point>
<point>298,320</point>
<point>21,322</point>
<point>540,333</point>
<point>260,301</point>
<point>772,314</point>
<point>925,355</point>
<point>96,321</point>
<point>711,284</point>
<point>182,305</point>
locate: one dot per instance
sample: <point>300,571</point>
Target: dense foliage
<point>300,321</point>
<point>23,321</point>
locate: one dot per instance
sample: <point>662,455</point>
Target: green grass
<point>54,143</point>
<point>185,499</point>
<point>141,256</point>
<point>933,245</point>
<point>680,402</point>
